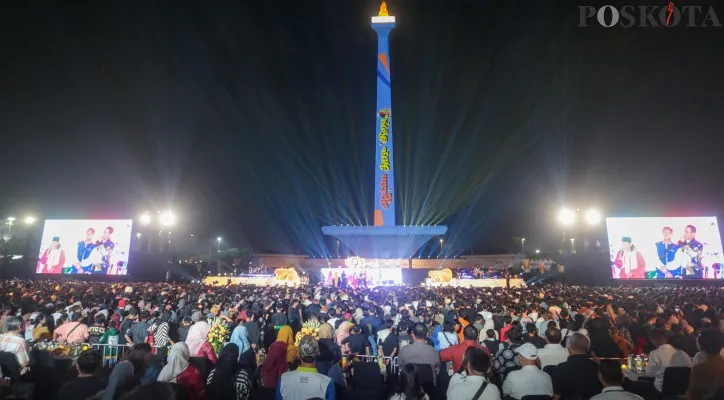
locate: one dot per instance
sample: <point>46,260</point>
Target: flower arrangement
<point>218,334</point>
<point>310,328</point>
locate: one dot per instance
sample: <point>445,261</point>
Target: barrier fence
<point>389,362</point>
<point>112,353</point>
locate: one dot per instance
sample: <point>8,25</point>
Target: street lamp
<point>522,244</point>
<point>537,251</point>
<point>145,218</point>
<point>573,244</point>
<point>168,218</point>
<point>567,217</point>
<point>218,244</point>
<point>29,220</point>
<point>10,222</point>
<point>593,217</point>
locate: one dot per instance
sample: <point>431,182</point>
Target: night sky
<point>254,120</point>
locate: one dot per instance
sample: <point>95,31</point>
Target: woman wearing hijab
<point>198,341</point>
<point>275,364</point>
<point>228,381</point>
<point>287,336</point>
<point>247,358</point>
<point>329,352</point>
<point>343,333</point>
<point>179,371</point>
<point>127,374</point>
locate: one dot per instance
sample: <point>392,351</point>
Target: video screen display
<point>665,248</point>
<point>355,277</point>
<point>94,247</point>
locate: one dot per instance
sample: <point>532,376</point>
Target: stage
<point>474,283</point>
<point>253,280</point>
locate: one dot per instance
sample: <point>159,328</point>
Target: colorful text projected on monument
<point>384,215</point>
<point>96,247</point>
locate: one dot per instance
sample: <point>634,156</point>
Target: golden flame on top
<point>383,10</point>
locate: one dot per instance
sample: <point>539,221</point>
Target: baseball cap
<point>528,351</point>
<point>308,348</point>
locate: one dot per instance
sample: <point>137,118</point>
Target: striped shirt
<point>160,334</point>
<point>242,384</point>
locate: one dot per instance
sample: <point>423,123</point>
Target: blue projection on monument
<point>384,239</point>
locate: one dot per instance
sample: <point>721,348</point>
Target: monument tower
<point>384,239</point>
<point>384,163</point>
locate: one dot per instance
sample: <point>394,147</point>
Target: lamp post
<point>441,242</point>
<point>568,218</point>
<point>9,223</point>
<point>218,244</point>
<point>522,245</point>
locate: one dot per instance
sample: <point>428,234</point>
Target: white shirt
<point>700,357</point>
<point>447,339</point>
<point>552,354</point>
<point>528,380</point>
<point>465,387</point>
<point>615,393</point>
<point>665,356</point>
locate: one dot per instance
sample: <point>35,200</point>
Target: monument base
<point>400,242</point>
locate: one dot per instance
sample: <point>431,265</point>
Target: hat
<point>308,347</point>
<point>528,351</point>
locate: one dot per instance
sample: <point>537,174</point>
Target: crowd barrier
<point>393,363</point>
<point>113,353</point>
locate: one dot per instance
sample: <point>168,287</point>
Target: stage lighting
<point>537,252</point>
<point>145,219</point>
<point>566,217</point>
<point>593,217</point>
<point>168,218</point>
<point>29,220</point>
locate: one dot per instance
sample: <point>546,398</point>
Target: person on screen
<point>99,261</point>
<point>629,262</point>
<point>107,233</point>
<point>85,249</point>
<point>53,259</point>
<point>689,254</point>
<point>666,249</point>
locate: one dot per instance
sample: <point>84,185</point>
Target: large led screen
<point>95,247</point>
<point>665,248</point>
<point>355,277</point>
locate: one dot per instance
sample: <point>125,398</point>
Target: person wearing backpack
<point>111,339</point>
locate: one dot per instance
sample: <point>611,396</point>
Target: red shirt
<point>503,331</point>
<point>191,378</point>
<point>206,351</point>
<point>456,353</point>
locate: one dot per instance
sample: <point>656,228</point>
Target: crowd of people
<point>402,343</point>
